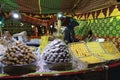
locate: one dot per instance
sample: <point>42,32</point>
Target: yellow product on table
<point>79,49</point>
<point>117,55</point>
<point>95,48</point>
<point>43,43</point>
<point>108,56</point>
<point>91,59</point>
<point>109,47</point>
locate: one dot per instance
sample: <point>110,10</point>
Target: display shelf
<point>67,75</point>
<point>51,74</point>
<point>90,72</point>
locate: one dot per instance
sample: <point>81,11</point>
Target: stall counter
<point>96,73</point>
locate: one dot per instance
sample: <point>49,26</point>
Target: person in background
<point>66,33</point>
<point>39,30</point>
<point>89,36</point>
<point>52,29</point>
<point>43,29</point>
<point>69,34</point>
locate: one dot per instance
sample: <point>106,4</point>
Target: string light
<point>60,14</point>
<point>16,15</point>
<point>0,22</point>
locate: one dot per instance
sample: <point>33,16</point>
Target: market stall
<point>51,65</point>
<point>107,72</point>
<point>82,57</point>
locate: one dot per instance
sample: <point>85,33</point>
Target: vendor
<point>89,36</point>
<point>69,34</point>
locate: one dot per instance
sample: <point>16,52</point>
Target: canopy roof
<point>54,6</point>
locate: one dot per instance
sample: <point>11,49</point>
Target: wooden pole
<point>1,29</point>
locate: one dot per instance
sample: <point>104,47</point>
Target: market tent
<point>39,7</point>
<point>54,6</point>
<point>32,8</point>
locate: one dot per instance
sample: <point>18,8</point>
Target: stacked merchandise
<point>18,58</point>
<point>81,51</point>
<point>57,56</point>
<point>94,53</point>
<point>18,54</point>
<point>98,50</point>
<point>4,45</point>
<point>3,42</point>
<point>110,48</point>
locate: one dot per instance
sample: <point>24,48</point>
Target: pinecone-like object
<point>56,52</point>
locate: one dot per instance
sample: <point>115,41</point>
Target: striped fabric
<point>28,6</point>
<point>55,6</point>
<point>36,6</point>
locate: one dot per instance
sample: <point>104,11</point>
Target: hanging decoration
<point>102,13</point>
<point>105,12</point>
<point>93,14</point>
<point>115,11</point>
